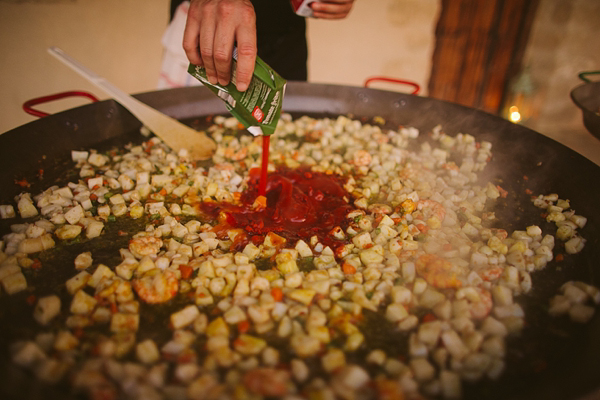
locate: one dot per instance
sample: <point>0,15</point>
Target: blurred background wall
<point>120,40</point>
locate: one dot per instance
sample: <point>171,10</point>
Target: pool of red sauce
<point>300,204</point>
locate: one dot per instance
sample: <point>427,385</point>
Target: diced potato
<point>184,317</point>
<point>74,215</point>
<point>303,296</point>
<point>581,313</point>
<point>422,369</point>
<point>51,370</point>
<point>65,341</point>
<point>26,354</point>
<point>94,229</point>
<point>303,249</point>
<point>102,272</point>
<point>147,352</point>
<point>502,295</point>
<point>286,263</point>
<point>82,303</point>
<point>273,240</point>
<point>8,268</point>
<point>26,207</point>
<point>14,283</point>
<point>352,376</point>
<point>429,333</point>
<point>83,260</point>
<point>46,309</point>
<point>249,345</point>
<point>77,282</point>
<point>7,211</point>
<point>396,312</point>
<point>370,256</point>
<point>121,322</point>
<point>304,345</point>
<point>454,344</point>
<point>102,315</point>
<point>67,232</point>
<point>333,360</point>
<point>362,240</point>
<point>34,245</point>
<point>97,160</point>
<point>451,384</point>
<point>574,245</point>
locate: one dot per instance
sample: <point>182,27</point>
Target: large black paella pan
<point>552,358</point>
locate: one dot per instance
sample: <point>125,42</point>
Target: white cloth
<point>173,71</point>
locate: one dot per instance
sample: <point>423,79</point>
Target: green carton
<point>259,107</point>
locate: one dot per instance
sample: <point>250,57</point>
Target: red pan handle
<point>416,87</point>
<point>28,105</point>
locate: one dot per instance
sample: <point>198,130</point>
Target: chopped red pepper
<point>348,268</point>
<point>186,271</point>
<point>277,294</point>
<point>429,317</point>
<point>78,333</point>
<point>503,193</point>
<point>31,299</point>
<point>22,182</point>
<point>37,264</point>
<point>243,326</point>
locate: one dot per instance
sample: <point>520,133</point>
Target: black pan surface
<point>551,359</point>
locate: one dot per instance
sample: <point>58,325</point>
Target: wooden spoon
<point>175,134</point>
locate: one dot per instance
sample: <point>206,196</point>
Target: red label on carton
<point>258,114</point>
<point>302,7</point>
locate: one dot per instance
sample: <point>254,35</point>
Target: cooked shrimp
<point>451,166</point>
<point>145,246</point>
<point>490,273</point>
<point>224,167</point>
<point>480,301</point>
<point>361,158</point>
<point>156,286</point>
<point>431,212</point>
<point>378,208</point>
<point>236,155</point>
<point>500,233</point>
<point>439,272</point>
<point>381,138</point>
<point>267,381</point>
<point>408,172</point>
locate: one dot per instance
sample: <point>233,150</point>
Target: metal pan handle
<point>28,105</point>
<point>416,87</point>
<point>583,75</point>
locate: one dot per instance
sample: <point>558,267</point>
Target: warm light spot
<point>513,114</point>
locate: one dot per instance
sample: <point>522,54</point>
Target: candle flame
<point>513,114</point>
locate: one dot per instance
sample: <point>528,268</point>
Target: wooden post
<point>479,48</point>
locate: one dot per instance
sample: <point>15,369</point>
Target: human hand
<point>332,9</point>
<point>211,29</point>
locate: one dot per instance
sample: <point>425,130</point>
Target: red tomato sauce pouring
<point>299,204</point>
<point>262,188</point>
